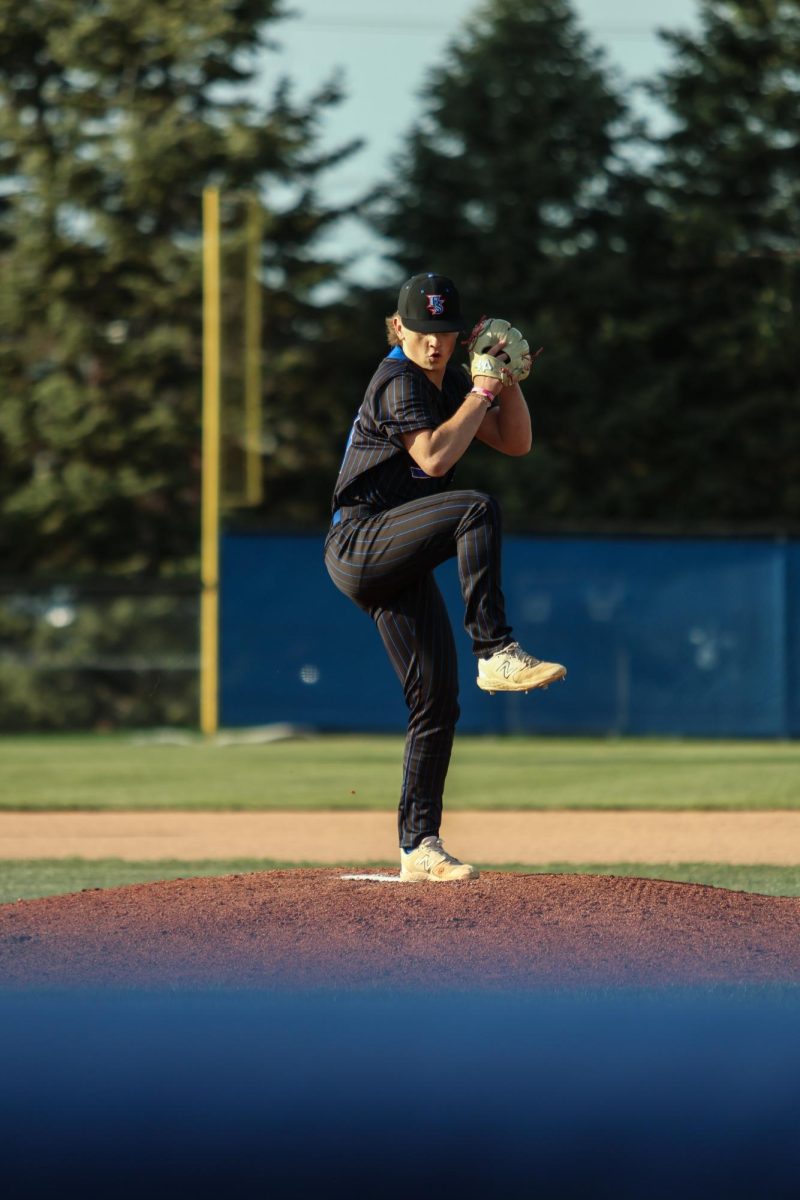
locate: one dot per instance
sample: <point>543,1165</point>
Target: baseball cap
<point>429,303</point>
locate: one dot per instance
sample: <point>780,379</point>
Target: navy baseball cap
<point>429,304</point>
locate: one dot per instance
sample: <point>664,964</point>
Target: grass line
<point>32,879</point>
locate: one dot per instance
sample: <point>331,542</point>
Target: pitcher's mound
<point>312,928</point>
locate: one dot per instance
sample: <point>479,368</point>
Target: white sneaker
<point>512,670</point>
<point>430,861</point>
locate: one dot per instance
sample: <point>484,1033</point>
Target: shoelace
<point>516,651</point>
<point>439,848</point>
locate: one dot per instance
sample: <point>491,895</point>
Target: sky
<point>385,54</point>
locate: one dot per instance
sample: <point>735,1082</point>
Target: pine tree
<point>728,270</point>
<point>113,117</point>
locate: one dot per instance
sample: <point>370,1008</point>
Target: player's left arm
<point>507,427</point>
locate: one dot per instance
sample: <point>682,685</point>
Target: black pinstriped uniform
<point>392,525</point>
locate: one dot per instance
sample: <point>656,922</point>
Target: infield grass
<point>35,878</point>
<point>125,772</point>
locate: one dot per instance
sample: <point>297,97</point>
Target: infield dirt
<point>352,837</point>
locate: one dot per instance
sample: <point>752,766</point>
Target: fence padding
<point>660,636</point>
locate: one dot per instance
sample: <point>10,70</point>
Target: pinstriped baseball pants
<point>384,563</point>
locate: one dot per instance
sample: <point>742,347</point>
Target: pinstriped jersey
<point>377,469</point>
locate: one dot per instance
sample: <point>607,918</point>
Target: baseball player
<point>396,517</point>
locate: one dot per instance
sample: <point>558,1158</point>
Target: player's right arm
<point>437,450</point>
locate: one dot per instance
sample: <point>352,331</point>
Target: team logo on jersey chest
<point>435,303</point>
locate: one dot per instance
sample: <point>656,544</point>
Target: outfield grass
<point>94,772</point>
<point>35,878</point>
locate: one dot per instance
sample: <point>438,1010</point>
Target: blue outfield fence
<point>660,636</point>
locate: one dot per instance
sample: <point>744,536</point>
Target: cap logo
<point>435,305</point>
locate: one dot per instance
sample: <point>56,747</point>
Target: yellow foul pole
<point>209,558</point>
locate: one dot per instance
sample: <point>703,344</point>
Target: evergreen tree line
<point>658,267</point>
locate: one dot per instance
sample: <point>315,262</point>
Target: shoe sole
<point>508,685</point>
<point>424,877</point>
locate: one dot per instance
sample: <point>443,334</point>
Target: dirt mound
<point>312,928</point>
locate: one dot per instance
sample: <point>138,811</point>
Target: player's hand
<point>490,382</point>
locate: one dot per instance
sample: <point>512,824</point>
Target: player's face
<point>431,351</point>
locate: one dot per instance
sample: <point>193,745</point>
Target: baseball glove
<point>512,364</point>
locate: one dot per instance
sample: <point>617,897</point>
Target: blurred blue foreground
<point>634,1094</point>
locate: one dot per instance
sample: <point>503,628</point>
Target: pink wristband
<point>490,396</point>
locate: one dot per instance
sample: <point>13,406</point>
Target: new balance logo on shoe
<point>513,670</point>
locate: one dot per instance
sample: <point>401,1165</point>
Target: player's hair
<point>391,332</point>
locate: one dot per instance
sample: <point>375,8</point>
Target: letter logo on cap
<point>435,303</point>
